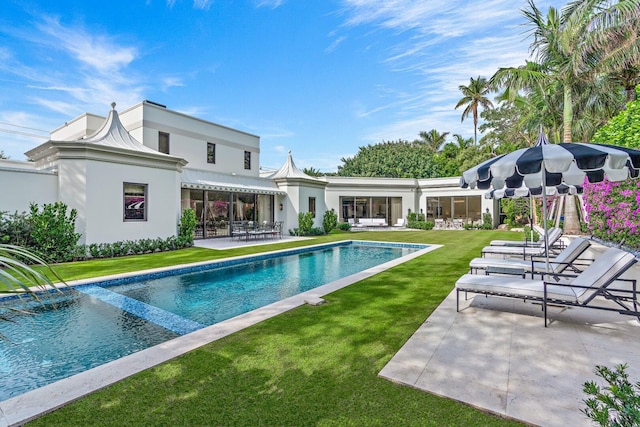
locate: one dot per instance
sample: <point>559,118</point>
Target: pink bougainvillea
<point>613,211</point>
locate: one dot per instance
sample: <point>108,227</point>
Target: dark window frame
<point>312,206</point>
<point>167,141</point>
<point>211,153</point>
<point>247,160</point>
<point>134,203</point>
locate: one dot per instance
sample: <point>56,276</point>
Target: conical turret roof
<point>113,134</point>
<point>289,170</point>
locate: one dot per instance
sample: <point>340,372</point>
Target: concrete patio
<point>496,354</point>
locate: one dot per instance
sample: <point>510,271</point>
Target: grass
<point>312,366</point>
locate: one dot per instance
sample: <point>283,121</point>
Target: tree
<point>623,129</point>
<point>391,159</point>
<point>612,43</point>
<point>3,156</point>
<point>573,51</point>
<point>312,171</point>
<point>474,97</point>
<point>18,277</point>
<point>433,139</point>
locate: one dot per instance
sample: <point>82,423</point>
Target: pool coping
<point>27,406</point>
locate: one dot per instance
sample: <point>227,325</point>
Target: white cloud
<point>272,4</point>
<point>96,51</point>
<point>334,45</point>
<point>202,4</point>
<point>438,45</point>
<point>169,82</point>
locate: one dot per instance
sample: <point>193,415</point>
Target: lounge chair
<point>526,251</point>
<point>565,259</point>
<point>520,243</point>
<point>580,291</point>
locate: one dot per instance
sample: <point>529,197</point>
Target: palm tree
<point>17,277</point>
<point>612,43</point>
<point>433,139</point>
<point>311,171</point>
<point>570,50</point>
<point>474,97</point>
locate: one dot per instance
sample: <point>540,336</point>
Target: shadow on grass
<point>310,366</point>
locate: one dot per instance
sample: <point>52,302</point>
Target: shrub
<point>618,404</point>
<point>305,223</point>
<point>187,226</point>
<point>487,221</point>
<point>317,231</point>
<point>329,221</point>
<point>344,226</point>
<point>53,233</point>
<point>421,225</point>
<point>613,211</point>
<point>15,229</point>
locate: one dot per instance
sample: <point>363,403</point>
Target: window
<point>211,152</point>
<point>247,159</point>
<point>135,202</point>
<point>163,142</point>
<point>312,206</point>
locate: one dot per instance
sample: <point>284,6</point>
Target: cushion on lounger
<point>515,286</point>
<point>603,270</point>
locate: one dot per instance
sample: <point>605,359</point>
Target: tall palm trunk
<point>567,113</point>
<point>571,220</point>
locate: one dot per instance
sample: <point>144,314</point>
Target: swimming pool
<point>106,320</point>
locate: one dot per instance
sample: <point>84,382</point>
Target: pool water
<point>93,324</point>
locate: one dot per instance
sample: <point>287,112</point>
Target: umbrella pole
<point>531,217</point>
<point>544,215</point>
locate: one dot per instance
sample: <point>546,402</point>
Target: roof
<point>113,134</point>
<point>205,180</point>
<point>289,170</point>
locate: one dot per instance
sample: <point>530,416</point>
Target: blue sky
<point>317,77</point>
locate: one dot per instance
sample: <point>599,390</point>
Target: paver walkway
<point>496,354</point>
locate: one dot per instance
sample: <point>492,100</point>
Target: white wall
<point>188,137</point>
<point>20,188</point>
<point>96,189</point>
<point>303,204</point>
<point>83,125</point>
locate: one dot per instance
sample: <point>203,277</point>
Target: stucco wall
<point>20,188</point>
<point>100,203</point>
<point>188,137</point>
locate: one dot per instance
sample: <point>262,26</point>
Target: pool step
<point>167,320</point>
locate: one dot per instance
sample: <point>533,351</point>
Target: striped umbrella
<point>553,165</point>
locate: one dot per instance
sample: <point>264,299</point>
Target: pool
<point>105,320</point>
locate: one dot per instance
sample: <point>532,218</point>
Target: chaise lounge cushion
<point>552,232</point>
<point>517,287</point>
<point>577,290</point>
<point>556,265</point>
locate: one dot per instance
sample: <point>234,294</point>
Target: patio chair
<point>538,249</point>
<point>536,265</point>
<point>521,243</point>
<point>579,291</point>
<point>439,224</point>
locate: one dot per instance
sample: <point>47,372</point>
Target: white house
<point>131,174</point>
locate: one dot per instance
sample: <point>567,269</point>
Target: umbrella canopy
<point>552,165</point>
<point>523,191</point>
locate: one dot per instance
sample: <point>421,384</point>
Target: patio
<point>496,354</point>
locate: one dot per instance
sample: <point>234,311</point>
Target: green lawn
<point>312,366</point>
